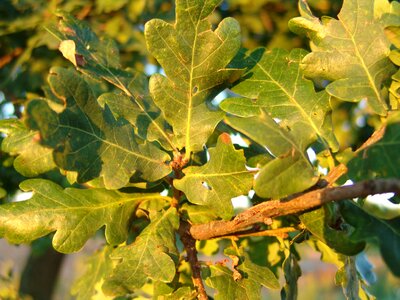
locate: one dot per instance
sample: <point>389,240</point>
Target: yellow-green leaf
<point>74,214</point>
<point>32,158</point>
<point>352,51</point>
<point>222,178</point>
<point>194,58</point>
<point>152,255</point>
<point>290,163</point>
<point>274,82</point>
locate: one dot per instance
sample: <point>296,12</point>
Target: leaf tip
<point>67,48</point>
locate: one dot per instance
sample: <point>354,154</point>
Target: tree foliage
<point>151,162</point>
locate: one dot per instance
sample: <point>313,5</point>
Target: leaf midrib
<point>291,98</point>
<point>111,144</point>
<point>360,58</point>
<point>146,241</point>
<point>92,208</point>
<point>190,103</point>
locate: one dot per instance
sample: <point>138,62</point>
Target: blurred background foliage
<point>27,51</point>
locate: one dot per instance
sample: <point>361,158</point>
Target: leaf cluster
<point>149,158</point>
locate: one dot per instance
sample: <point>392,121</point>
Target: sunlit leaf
<point>74,214</point>
<point>289,149</point>
<point>275,83</point>
<point>152,255</point>
<point>33,159</point>
<point>84,130</point>
<point>388,12</point>
<point>260,274</point>
<point>194,58</point>
<point>221,279</point>
<point>109,127</point>
<point>246,280</point>
<point>394,89</point>
<point>351,51</point>
<point>208,247</point>
<point>199,214</point>
<point>214,184</point>
<point>272,181</point>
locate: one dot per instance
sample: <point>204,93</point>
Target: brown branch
<point>261,213</point>
<point>190,246</point>
<point>335,174</point>
<point>279,232</point>
<point>373,139</point>
<point>188,241</point>
<point>177,165</point>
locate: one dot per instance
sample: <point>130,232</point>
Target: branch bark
<point>190,246</point>
<point>188,241</point>
<point>262,213</point>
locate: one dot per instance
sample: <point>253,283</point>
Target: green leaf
<point>290,164</point>
<point>320,223</point>
<point>272,181</point>
<point>140,112</point>
<point>249,270</point>
<point>198,214</point>
<point>98,266</point>
<point>380,160</point>
<point>33,159</point>
<point>208,247</point>
<point>151,256</point>
<point>352,51</point>
<point>275,83</point>
<point>80,45</point>
<point>221,279</point>
<point>218,181</point>
<point>75,214</point>
<point>394,89</point>
<point>328,255</point>
<point>292,272</point>
<point>393,34</point>
<point>388,12</point>
<point>367,228</point>
<point>84,130</point>
<point>99,58</point>
<point>194,58</point>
